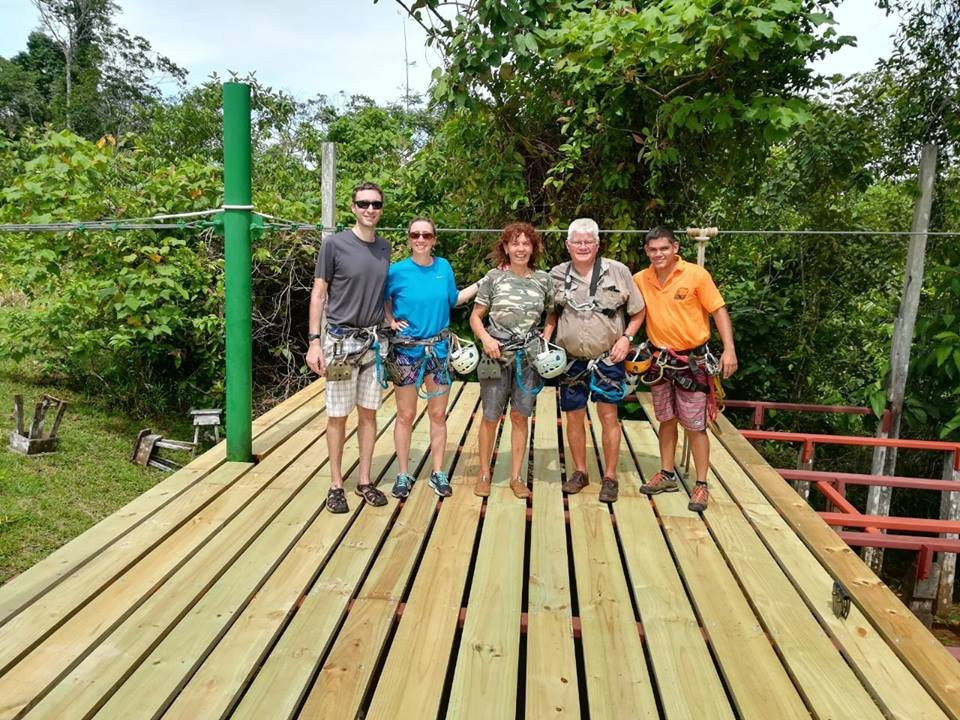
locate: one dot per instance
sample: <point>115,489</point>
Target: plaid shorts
<point>688,406</point>
<point>363,388</point>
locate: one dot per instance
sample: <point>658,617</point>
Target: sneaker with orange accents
<point>699,498</point>
<point>663,481</point>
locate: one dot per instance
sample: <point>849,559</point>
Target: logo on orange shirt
<point>681,293</point>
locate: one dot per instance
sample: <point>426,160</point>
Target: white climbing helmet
<point>550,361</point>
<point>464,355</point>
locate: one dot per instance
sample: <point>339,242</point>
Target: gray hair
<point>584,225</point>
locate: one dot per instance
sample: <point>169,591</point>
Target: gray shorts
<point>361,389</point>
<point>494,393</point>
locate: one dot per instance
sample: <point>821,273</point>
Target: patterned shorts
<point>405,368</point>
<point>688,406</point>
<point>363,388</point>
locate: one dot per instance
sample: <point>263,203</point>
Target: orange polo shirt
<point>678,313</point>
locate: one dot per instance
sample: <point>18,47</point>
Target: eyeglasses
<point>582,243</point>
<point>425,235</point>
<point>364,204</point>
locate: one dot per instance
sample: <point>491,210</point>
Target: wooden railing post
<point>885,459</point>
<point>949,510</point>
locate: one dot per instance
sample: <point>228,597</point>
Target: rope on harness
<point>421,375</point>
<point>517,363</point>
<point>608,394</point>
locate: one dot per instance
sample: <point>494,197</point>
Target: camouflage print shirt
<point>515,303</point>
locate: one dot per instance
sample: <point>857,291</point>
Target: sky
<point>311,47</point>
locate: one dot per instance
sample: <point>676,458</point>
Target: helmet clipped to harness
<point>464,355</point>
<point>550,361</point>
<point>638,360</point>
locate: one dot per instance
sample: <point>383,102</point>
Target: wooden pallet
<point>228,591</point>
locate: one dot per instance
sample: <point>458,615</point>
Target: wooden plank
<point>485,678</point>
<point>551,668</point>
<point>821,674</point>
<point>760,686</point>
<point>929,661</point>
<point>422,645</point>
<point>78,620</point>
<point>687,680</point>
<point>346,674</point>
<point>30,584</point>
<point>224,630</point>
<point>285,675</point>
<point>189,591</point>
<point>883,673</point>
<point>618,684</point>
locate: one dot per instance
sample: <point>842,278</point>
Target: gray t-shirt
<point>356,275</point>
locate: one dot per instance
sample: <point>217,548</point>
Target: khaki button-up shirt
<point>583,329</point>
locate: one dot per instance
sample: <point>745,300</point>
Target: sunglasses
<point>415,235</point>
<point>364,204</point>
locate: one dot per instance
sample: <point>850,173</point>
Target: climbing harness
<point>680,367</point>
<point>608,389</point>
<point>429,351</point>
<point>342,361</point>
<point>519,345</point>
<point>590,305</point>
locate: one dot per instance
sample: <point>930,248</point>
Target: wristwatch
<point>628,337</point>
<point>314,336</point>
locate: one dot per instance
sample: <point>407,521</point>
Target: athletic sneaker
<point>663,481</point>
<point>699,498</point>
<point>440,484</point>
<point>401,486</point>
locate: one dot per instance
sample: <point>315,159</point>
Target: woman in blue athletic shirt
<point>420,292</point>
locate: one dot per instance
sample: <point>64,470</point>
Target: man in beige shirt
<point>598,311</point>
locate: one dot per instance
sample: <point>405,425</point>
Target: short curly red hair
<point>498,255</point>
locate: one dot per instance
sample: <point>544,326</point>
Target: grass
<point>47,500</point>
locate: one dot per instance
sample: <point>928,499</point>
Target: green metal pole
<point>239,269</point>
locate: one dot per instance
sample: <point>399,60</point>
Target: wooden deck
<point>227,591</point>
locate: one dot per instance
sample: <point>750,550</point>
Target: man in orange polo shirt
<point>680,298</point>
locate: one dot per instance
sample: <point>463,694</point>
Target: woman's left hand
<point>397,325</point>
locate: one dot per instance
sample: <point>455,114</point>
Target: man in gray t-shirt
<point>346,304</point>
<point>356,275</point>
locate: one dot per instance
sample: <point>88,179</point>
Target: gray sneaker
<point>661,482</point>
<point>440,484</point>
<point>401,486</point>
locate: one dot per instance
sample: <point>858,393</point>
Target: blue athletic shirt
<point>423,297</point>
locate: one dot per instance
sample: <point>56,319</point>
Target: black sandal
<point>336,501</point>
<point>371,495</point>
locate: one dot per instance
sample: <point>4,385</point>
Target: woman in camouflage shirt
<point>513,297</point>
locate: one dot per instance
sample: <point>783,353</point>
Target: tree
<point>623,109</point>
<point>102,74</point>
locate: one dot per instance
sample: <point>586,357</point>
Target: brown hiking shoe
<point>699,498</point>
<point>660,483</point>
<point>520,488</point>
<point>482,486</point>
<point>609,489</point>
<point>575,483</point>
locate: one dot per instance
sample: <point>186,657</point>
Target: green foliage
<point>617,106</point>
<point>137,315</point>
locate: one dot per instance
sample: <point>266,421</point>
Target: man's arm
<point>728,360</point>
<point>549,325</point>
<point>622,346</point>
<point>318,306</point>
